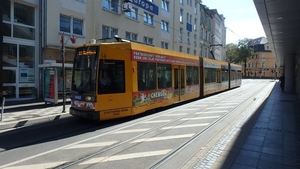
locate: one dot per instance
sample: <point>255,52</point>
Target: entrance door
<point>9,82</point>
<point>179,82</point>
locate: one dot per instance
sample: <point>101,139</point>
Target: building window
<point>131,36</point>
<point>188,37</point>
<point>181,1</point>
<point>188,50</point>
<point>111,5</point>
<point>195,52</point>
<point>77,26</point>
<point>148,40</point>
<point>148,19</point>
<point>195,40</point>
<point>164,26</point>
<point>201,33</point>
<point>263,64</point>
<point>195,24</point>
<point>180,34</point>
<point>201,51</point>
<point>22,22</point>
<point>195,8</point>
<point>74,28</point>
<point>181,16</point>
<point>187,17</point>
<point>132,14</point>
<point>180,48</point>
<point>109,32</point>
<point>164,45</point>
<point>165,5</point>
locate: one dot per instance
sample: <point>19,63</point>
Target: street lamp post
<point>63,70</point>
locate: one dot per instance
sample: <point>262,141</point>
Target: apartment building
<point>34,31</point>
<point>262,63</point>
<point>218,43</point>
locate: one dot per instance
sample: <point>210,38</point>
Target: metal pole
<point>3,102</point>
<point>63,69</point>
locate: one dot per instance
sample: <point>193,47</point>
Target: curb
<point>33,121</point>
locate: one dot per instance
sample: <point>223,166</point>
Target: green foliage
<point>245,51</point>
<point>231,52</point>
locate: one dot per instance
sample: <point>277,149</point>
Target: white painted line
<point>199,118</point>
<point>126,156</point>
<point>157,121</point>
<point>184,126</point>
<point>163,138</point>
<point>178,114</point>
<point>209,112</point>
<point>130,131</point>
<point>190,109</point>
<point>44,165</point>
<point>88,145</point>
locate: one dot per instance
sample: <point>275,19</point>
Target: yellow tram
<point>119,79</point>
<point>142,78</point>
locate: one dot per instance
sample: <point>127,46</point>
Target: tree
<point>231,52</point>
<point>244,51</point>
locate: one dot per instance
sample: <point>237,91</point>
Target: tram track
<point>209,102</point>
<point>191,140</point>
<point>177,150</point>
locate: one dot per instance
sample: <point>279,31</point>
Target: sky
<point>241,18</point>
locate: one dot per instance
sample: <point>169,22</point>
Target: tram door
<point>179,82</point>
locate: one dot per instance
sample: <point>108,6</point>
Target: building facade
<point>34,31</point>
<point>262,63</point>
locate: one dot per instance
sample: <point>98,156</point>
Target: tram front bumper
<point>91,115</point>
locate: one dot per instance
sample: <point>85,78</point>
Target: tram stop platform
<point>269,139</point>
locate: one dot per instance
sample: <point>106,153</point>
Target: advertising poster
<point>151,96</point>
<point>50,86</point>
<point>26,75</point>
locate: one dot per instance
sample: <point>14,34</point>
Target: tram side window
<point>164,76</point>
<point>111,76</point>
<point>224,75</point>
<point>146,76</point>
<point>189,75</point>
<point>210,75</point>
<point>196,75</point>
<point>232,75</point>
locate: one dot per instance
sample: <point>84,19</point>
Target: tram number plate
<point>115,112</point>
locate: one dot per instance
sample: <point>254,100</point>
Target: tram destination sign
<point>163,59</point>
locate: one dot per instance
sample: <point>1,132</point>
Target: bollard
<point>3,102</point>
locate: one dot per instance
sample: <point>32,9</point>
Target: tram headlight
<point>89,98</point>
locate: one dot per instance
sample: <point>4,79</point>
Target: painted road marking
<point>126,156</point>
<point>130,131</point>
<point>220,111</point>
<point>88,145</point>
<point>184,126</point>
<point>163,138</point>
<point>157,121</point>
<point>44,165</point>
<point>177,114</point>
<point>199,118</point>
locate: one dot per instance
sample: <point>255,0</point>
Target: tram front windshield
<point>84,70</point>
